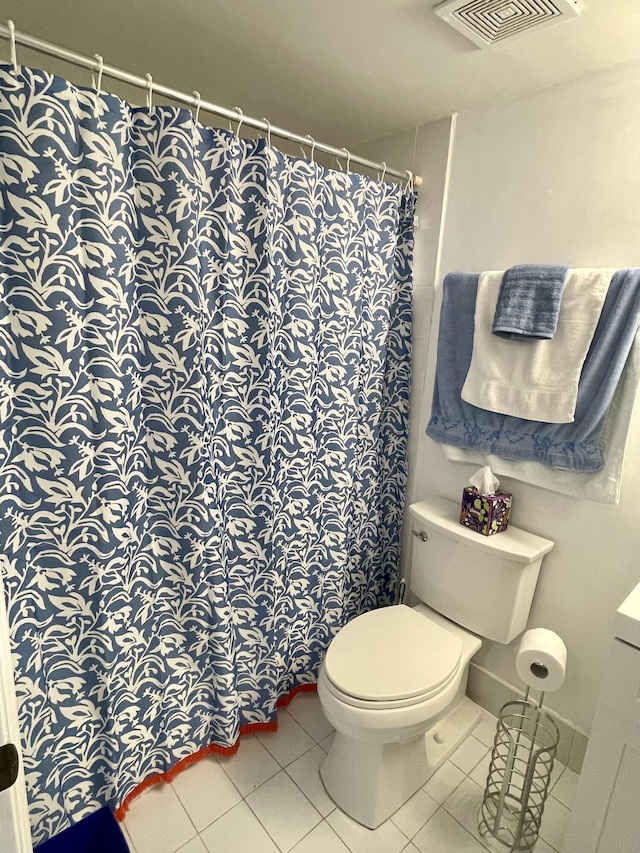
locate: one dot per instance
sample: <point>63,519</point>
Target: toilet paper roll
<point>541,659</point>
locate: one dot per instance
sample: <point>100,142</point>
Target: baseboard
<point>491,692</point>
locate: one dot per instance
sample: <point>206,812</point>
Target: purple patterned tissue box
<point>486,514</point>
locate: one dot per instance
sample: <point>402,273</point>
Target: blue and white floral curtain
<point>204,386</point>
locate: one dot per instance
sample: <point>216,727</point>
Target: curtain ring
<point>348,158</point>
<point>240,120</point>
<point>12,44</point>
<point>408,187</point>
<point>313,147</point>
<point>197,105</point>
<point>149,91</point>
<point>384,171</point>
<point>100,70</point>
<point>268,123</point>
<point>98,84</point>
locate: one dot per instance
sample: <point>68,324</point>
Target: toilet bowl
<point>392,685</point>
<point>393,681</point>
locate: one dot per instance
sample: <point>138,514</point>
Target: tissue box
<point>486,514</point>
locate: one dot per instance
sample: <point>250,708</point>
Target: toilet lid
<point>391,653</point>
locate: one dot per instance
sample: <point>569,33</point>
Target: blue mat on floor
<point>98,833</point>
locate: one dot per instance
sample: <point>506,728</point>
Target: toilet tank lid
<point>515,544</point>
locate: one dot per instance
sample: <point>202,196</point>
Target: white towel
<point>532,379</point>
<point>600,486</point>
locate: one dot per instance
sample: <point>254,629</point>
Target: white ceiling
<point>344,71</point>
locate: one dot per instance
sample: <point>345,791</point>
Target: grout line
<point>128,839</point>
<point>470,834</point>
<point>300,840</point>
<point>323,818</point>
<point>226,811</point>
<point>183,847</point>
<point>293,760</point>
<point>248,805</point>
<point>283,769</point>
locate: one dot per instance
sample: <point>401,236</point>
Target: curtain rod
<point>95,64</point>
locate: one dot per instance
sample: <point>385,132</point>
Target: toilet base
<point>370,781</point>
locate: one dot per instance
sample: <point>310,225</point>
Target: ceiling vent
<point>487,22</point>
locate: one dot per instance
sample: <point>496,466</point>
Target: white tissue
<point>485,481</point>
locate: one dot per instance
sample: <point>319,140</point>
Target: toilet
<point>393,681</point>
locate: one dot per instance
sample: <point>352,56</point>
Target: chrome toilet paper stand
<point>522,758</point>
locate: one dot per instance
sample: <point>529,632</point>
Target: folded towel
<point>536,380</point>
<point>529,302</point>
<point>601,486</point>
<point>573,447</point>
<point>98,832</point>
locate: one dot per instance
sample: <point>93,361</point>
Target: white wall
<point>553,177</point>
<point>425,151</point>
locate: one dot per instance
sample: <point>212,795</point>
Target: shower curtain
<point>204,387</point>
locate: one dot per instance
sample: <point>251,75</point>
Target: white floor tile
<point>443,782</point>
<point>326,743</point>
<point>127,838</point>
<point>481,771</point>
<point>250,766</point>
<point>555,820</point>
<point>283,810</point>
<point>307,711</point>
<point>238,831</point>
<point>485,731</point>
<point>468,754</point>
<point>205,791</point>
<point>196,845</point>
<point>565,788</point>
<point>556,774</point>
<point>289,742</point>
<point>385,839</point>
<point>157,821</point>
<point>305,772</point>
<point>413,815</point>
<point>443,834</point>
<point>322,839</point>
<point>492,844</point>
<point>464,805</point>
<point>542,847</point>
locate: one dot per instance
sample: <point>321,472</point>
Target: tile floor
<point>268,798</point>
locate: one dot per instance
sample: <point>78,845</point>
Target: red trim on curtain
<point>212,749</point>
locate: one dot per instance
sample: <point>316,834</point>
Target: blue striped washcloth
<point>529,302</point>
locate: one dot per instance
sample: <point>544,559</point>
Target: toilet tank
<point>483,583</point>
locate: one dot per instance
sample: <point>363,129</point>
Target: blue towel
<point>574,446</point>
<point>529,302</point>
<point>97,833</point>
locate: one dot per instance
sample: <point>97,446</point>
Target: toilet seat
<point>384,659</point>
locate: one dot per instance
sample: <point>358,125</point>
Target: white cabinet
<point>606,812</point>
